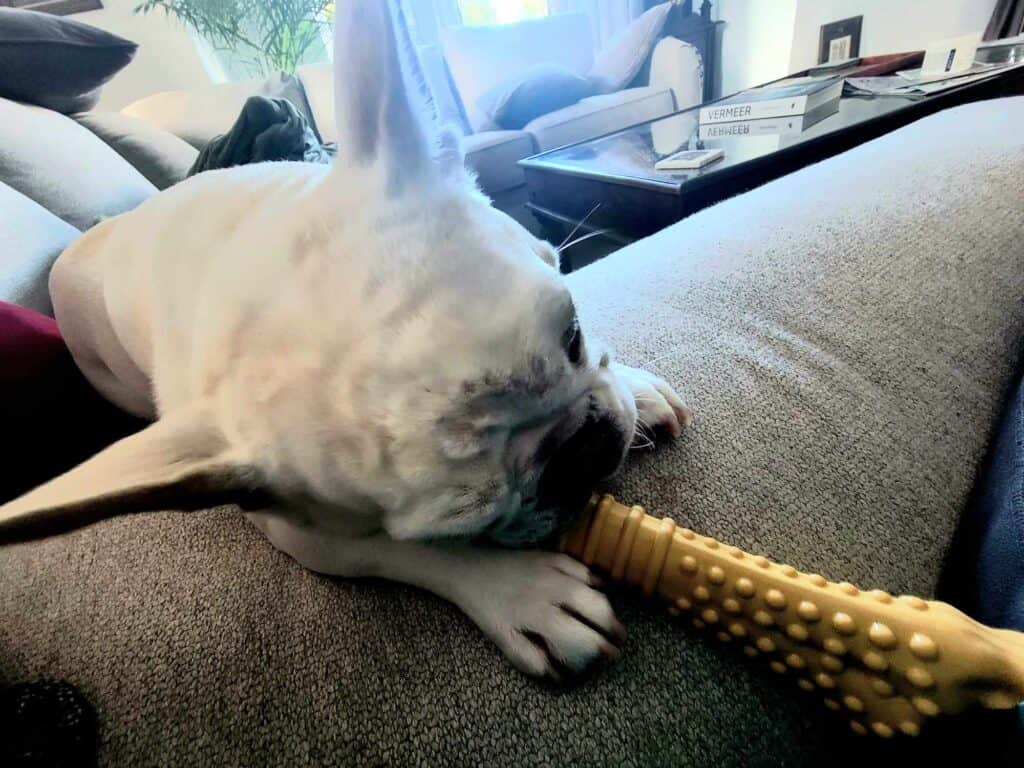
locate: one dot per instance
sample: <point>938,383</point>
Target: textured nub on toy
<point>889,663</point>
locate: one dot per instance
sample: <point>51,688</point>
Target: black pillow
<point>541,89</point>
<point>55,62</point>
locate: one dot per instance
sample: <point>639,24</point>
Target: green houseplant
<point>262,35</point>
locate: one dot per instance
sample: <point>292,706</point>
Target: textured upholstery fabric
<point>597,115</point>
<point>845,335</point>
<point>51,159</point>
<point>481,57</point>
<point>157,154</point>
<point>31,239</point>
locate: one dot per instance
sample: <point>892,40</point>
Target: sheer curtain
<point>428,17</point>
<point>606,16</point>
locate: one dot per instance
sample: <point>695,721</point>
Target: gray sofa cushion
<point>56,162</point>
<point>845,351</point>
<point>157,154</point>
<point>31,238</point>
<point>57,63</point>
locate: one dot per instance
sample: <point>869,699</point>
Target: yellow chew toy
<point>888,662</point>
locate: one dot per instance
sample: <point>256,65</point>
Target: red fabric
<point>29,344</point>
<point>52,417</point>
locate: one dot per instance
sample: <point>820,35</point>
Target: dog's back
<point>128,294</point>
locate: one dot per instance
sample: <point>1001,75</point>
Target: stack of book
<point>789,106</point>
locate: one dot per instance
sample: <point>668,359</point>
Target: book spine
<point>764,127</point>
<point>754,110</point>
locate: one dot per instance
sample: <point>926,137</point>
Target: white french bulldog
<point>390,365</point>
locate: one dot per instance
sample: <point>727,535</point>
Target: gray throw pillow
<point>55,62</point>
<point>538,91</point>
<point>53,160</point>
<point>31,238</point>
<point>620,60</point>
<point>157,154</point>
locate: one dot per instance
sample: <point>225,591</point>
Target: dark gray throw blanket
<point>266,129</point>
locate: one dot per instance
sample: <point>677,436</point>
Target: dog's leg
<point>540,608</point>
<point>657,404</point>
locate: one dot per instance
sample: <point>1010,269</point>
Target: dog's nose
<point>591,454</point>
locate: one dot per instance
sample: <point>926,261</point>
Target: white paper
<point>954,54</point>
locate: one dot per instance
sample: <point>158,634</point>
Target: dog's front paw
<point>543,612</point>
<point>657,404</point>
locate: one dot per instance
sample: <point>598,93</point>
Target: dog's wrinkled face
<point>528,416</point>
<point>474,404</point>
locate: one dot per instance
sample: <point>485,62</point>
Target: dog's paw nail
<point>612,652</point>
<point>595,581</point>
<point>618,632</point>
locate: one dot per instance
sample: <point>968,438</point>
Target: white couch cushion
<point>494,157</point>
<point>598,115</point>
<point>617,63</point>
<point>678,65</point>
<point>480,58</point>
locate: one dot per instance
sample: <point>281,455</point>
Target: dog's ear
<point>385,117</point>
<point>181,462</point>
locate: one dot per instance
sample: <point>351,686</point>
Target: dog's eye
<point>572,342</point>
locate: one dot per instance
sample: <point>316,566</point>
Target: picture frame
<point>56,7</point>
<point>840,40</point>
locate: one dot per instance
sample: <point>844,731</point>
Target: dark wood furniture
<point>615,174</point>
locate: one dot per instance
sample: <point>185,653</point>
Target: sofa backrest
<point>481,57</point>
<point>62,166</point>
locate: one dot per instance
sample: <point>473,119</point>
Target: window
<point>501,11</point>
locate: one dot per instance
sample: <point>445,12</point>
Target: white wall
<point>166,60</point>
<point>766,39</point>
<point>889,26</point>
<point>757,41</point>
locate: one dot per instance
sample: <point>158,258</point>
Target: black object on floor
<point>46,724</point>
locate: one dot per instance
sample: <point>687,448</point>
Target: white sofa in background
<point>479,58</point>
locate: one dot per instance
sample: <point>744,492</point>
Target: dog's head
<point>452,391</point>
<point>491,412</point>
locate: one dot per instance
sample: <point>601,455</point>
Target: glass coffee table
<point>612,181</point>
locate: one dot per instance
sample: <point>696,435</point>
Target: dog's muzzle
<point>591,454</point>
<point>575,466</point>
